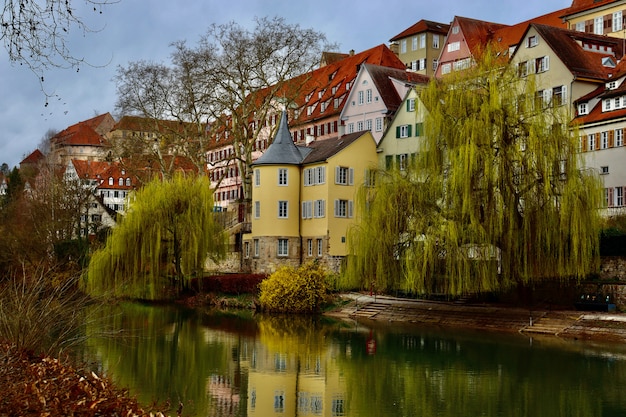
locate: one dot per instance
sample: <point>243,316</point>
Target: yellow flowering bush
<point>294,290</point>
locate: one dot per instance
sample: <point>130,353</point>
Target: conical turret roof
<point>282,151</point>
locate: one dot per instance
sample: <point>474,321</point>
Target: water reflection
<point>237,364</point>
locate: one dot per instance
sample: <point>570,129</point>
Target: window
<point>402,160</point>
<point>410,105</point>
<point>559,95</point>
<point>110,180</point>
<point>579,27</point>
<point>608,197</point>
<point>414,43</point>
<point>282,176</point>
<point>619,196</point>
<point>344,175</point>
<point>309,247</point>
<point>522,69</point>
<point>435,63</point>
<point>454,46</point>
<point>403,46</point>
<point>542,64</point>
<point>617,21</point>
<point>619,137</point>
<point>604,140</point>
<point>257,177</point>
<point>455,29</point>
<point>368,95</point>
<point>604,170</point>
<point>378,122</point>
<point>283,209</point>
<point>598,25</point>
<point>283,247</point>
<point>343,208</point>
<point>359,126</point>
<point>532,41</point>
<point>360,98</point>
<point>321,175</point>
<point>446,68</point>
<point>256,247</point>
<point>307,209</point>
<point>436,41</point>
<point>403,131</point>
<point>350,127</point>
<point>368,124</point>
<point>257,209</point>
<point>246,249</point>
<point>591,142</point>
<point>319,209</point>
<point>128,182</point>
<point>320,248</point>
<point>422,41</point>
<point>582,109</point>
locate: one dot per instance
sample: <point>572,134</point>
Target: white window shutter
<point>351,176</point>
<point>350,208</point>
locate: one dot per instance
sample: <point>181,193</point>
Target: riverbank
<point>563,323</point>
<point>34,385</point>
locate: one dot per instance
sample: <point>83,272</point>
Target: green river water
<point>219,363</point>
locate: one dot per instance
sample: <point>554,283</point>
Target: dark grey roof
<point>324,149</point>
<point>283,151</point>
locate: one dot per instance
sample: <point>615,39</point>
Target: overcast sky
<point>143,30</point>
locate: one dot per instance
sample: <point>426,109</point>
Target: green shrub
<point>291,290</point>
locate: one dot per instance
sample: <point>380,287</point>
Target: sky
<point>135,30</point>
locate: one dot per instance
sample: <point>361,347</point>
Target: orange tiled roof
<point>422,26</point>
<point>584,5</point>
<point>506,37</point>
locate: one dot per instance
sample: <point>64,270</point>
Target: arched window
<point>120,181</point>
<point>128,182</point>
<point>110,180</point>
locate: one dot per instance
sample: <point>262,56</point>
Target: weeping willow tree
<point>161,243</point>
<point>495,198</point>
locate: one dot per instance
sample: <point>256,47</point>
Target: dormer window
<point>120,181</point>
<point>608,62</point>
<point>583,109</point>
<point>612,85</point>
<point>110,180</point>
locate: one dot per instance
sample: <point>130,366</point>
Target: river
<point>217,363</point>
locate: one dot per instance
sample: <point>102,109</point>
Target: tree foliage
<point>291,290</point>
<point>36,34</point>
<point>161,243</point>
<point>496,197</point>
<point>231,78</point>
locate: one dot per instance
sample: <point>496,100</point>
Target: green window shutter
<point>409,130</point>
<point>388,161</point>
<point>397,131</point>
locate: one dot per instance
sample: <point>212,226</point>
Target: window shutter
<point>304,209</point>
<point>337,169</point>
<point>408,128</point>
<point>563,94</point>
<point>351,176</point>
<point>350,208</point>
<point>546,63</point>
<point>336,207</point>
<point>611,138</point>
<point>398,127</point>
<point>388,161</point>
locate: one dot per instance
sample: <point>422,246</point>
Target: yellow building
<point>303,199</point>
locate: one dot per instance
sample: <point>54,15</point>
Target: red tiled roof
<point>90,169</point>
<point>477,33</point>
<point>81,133</point>
<point>34,158</point>
<point>420,27</point>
